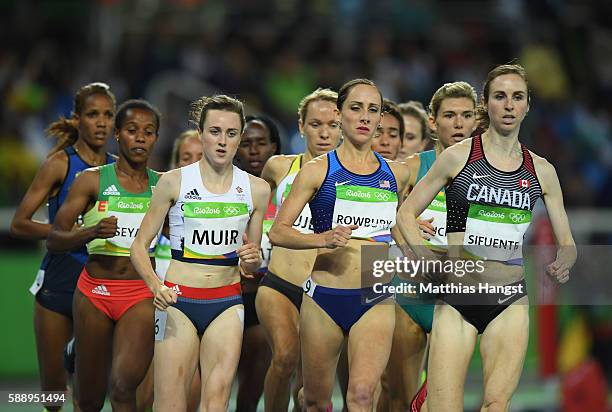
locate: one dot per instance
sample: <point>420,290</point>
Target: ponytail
<point>65,131</point>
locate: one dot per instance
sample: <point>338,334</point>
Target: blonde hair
<point>327,95</point>
<point>188,134</point>
<point>451,90</point>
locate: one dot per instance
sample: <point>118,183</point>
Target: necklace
<point>94,162</point>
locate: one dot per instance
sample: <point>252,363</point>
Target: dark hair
<point>390,107</point>
<point>512,68</point>
<point>176,146</point>
<point>348,86</point>
<point>136,104</point>
<point>66,131</point>
<point>201,106</point>
<point>271,126</point>
<point>416,110</point>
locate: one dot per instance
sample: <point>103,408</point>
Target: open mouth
<point>138,150</point>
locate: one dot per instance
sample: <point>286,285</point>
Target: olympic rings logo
<point>382,196</point>
<point>231,210</point>
<point>517,217</point>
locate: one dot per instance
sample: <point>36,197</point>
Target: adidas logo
<point>193,194</point>
<point>176,289</point>
<point>100,290</point>
<point>111,191</point>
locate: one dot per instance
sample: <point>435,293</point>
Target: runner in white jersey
<point>215,214</point>
<point>187,149</point>
<point>492,183</point>
<point>280,294</point>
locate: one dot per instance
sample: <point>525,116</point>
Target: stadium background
<point>270,54</point>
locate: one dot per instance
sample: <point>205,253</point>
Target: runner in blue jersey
<point>353,195</point>
<point>491,184</point>
<point>81,140</point>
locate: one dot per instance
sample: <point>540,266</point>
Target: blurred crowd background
<point>270,53</point>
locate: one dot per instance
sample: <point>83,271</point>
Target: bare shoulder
<point>281,163</point>
<point>401,169</point>
<point>171,177</point>
<point>317,165</point>
<point>55,166</point>
<point>258,184</point>
<point>545,172</point>
<point>88,181</point>
<point>455,157</point>
<point>413,162</point>
<point>541,164</point>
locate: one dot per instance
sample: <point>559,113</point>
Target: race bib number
<point>303,223</point>
<point>129,212</point>
<point>437,211</point>
<point>38,282</point>
<point>160,324</point>
<point>266,246</point>
<point>495,233</point>
<point>309,287</point>
<point>373,210</point>
<point>213,229</point>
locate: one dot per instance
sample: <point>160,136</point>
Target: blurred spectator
<point>270,53</point>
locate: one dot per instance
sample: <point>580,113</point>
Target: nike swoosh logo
<point>502,301</point>
<point>342,183</point>
<point>475,176</point>
<point>374,299</point>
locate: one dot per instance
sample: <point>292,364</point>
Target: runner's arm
<point>553,199</point>
<point>249,252</point>
<point>164,195</point>
<point>422,195</point>
<point>63,237</point>
<point>48,177</point>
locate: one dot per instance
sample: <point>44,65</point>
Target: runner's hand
<point>338,236</point>
<point>427,228</point>
<point>164,297</point>
<point>105,228</point>
<point>559,270</point>
<point>250,256</point>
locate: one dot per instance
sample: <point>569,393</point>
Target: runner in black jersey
<point>492,183</point>
<point>81,140</point>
